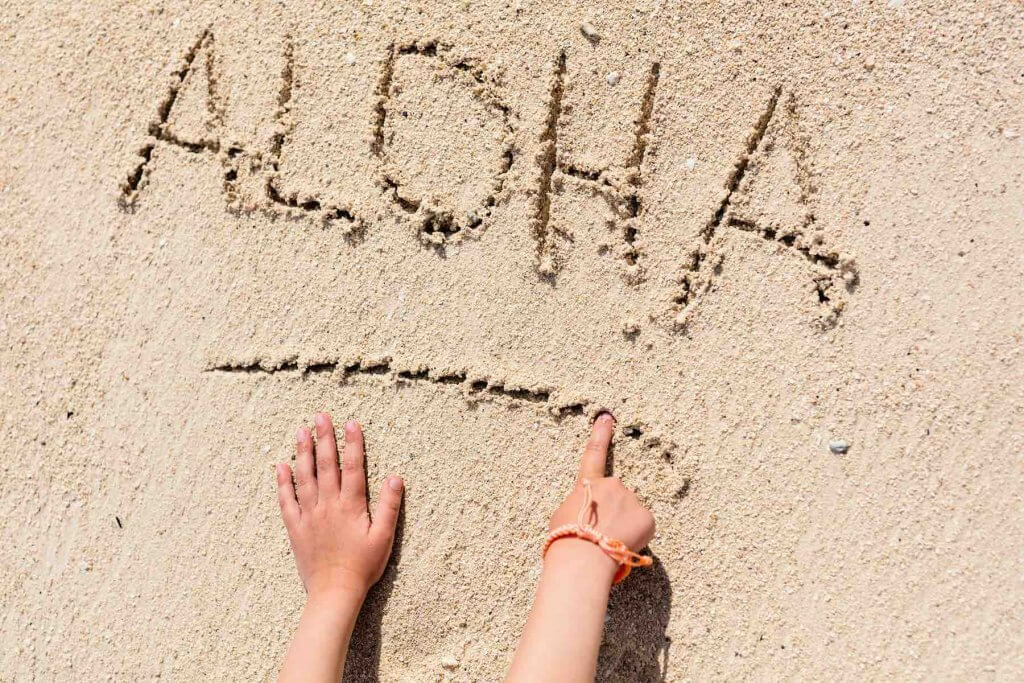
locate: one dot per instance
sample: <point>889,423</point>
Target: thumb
<point>385,515</point>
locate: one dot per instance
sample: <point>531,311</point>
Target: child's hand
<point>563,634</point>
<point>619,514</point>
<point>339,552</point>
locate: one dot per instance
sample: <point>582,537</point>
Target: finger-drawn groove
<point>549,161</point>
<point>474,389</point>
<point>383,92</point>
<point>436,226</point>
<point>636,162</point>
<point>831,267</point>
<point>157,129</point>
<point>284,125</point>
<point>643,125</point>
<point>622,195</point>
<point>691,279</point>
<point>740,167</point>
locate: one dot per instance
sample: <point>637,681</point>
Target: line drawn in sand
<point>620,189</point>
<point>309,205</point>
<point>158,130</point>
<point>436,224</point>
<point>769,194</point>
<point>556,403</point>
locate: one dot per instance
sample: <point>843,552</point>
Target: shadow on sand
<point>363,663</point>
<point>635,647</point>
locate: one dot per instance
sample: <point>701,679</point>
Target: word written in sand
<point>426,91</point>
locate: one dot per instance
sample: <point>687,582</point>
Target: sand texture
<point>750,230</point>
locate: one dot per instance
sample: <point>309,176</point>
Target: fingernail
<point>395,483</point>
<point>300,434</point>
<point>320,419</point>
<point>606,417</point>
<point>351,427</point>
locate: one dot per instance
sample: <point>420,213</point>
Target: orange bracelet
<point>614,548</point>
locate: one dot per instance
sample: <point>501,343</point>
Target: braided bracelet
<point>614,548</point>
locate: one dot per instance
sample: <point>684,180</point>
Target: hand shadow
<point>635,647</point>
<point>363,661</point>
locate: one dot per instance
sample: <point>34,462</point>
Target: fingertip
<point>385,518</point>
<point>604,426</point>
<point>604,419</point>
<point>323,423</point>
<point>352,430</point>
<point>595,453</point>
<point>301,434</point>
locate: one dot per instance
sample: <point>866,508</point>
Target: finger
<point>286,495</point>
<point>353,479</point>
<point>595,453</point>
<point>305,479</point>
<point>328,479</point>
<point>385,515</point>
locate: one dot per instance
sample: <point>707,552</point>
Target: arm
<point>339,552</point>
<point>563,632</point>
<point>320,645</point>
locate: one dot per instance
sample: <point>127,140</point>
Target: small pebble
<point>612,78</point>
<point>895,4</point>
<point>691,163</point>
<point>869,63</point>
<point>589,32</point>
<point>350,59</point>
<point>839,446</point>
<point>631,327</point>
<point>1010,134</point>
<point>449,662</point>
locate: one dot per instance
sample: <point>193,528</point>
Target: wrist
<point>584,560</point>
<point>338,597</point>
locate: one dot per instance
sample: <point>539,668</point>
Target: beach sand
<point>781,242</point>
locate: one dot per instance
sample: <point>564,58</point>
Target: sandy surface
<point>749,230</point>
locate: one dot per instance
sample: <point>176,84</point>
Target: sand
<point>749,230</point>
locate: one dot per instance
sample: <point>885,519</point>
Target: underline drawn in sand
<point>474,389</point>
<point>769,189</point>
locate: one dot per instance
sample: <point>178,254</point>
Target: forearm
<point>563,633</point>
<point>320,644</point>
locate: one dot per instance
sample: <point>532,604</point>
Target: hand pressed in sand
<point>338,550</point>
